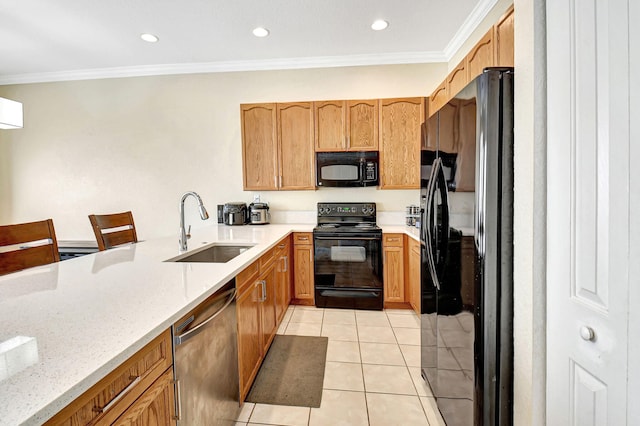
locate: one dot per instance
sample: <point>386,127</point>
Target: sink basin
<point>217,253</point>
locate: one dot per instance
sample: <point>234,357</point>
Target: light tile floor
<point>372,375</point>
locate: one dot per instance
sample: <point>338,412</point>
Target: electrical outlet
<point>256,198</point>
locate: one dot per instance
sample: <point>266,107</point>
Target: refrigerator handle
<point>427,226</point>
<point>444,195</point>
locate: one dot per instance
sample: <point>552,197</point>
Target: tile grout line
<point>364,383</point>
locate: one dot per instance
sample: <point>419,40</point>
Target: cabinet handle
<point>264,290</point>
<point>123,392</point>
<point>275,181</point>
<point>280,181</point>
<point>303,238</point>
<point>281,246</point>
<point>286,263</point>
<point>393,239</point>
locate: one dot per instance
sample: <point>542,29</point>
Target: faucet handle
<point>188,234</point>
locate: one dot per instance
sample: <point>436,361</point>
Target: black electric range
<point>348,257</point>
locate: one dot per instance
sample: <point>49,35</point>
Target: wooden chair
<point>107,236</point>
<point>31,249</point>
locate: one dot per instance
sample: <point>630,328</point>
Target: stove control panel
<point>347,209</point>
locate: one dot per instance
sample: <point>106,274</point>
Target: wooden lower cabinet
<point>413,275</point>
<point>283,269</point>
<point>137,392</point>
<point>260,292</point>
<point>155,407</point>
<point>393,267</point>
<point>303,275</point>
<point>249,335</point>
<point>268,306</point>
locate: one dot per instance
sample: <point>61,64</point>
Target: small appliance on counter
<point>235,213</point>
<point>259,213</point>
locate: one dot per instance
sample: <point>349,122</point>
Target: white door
<point>588,189</point>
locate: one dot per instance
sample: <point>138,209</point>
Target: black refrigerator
<point>467,277</point>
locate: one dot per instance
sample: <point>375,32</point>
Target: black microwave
<point>344,169</point>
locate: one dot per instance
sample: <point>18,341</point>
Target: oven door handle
<point>349,238</point>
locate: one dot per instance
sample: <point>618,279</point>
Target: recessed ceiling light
<point>149,37</point>
<point>260,32</point>
<point>380,24</point>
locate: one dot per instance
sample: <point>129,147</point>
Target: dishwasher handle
<point>181,338</point>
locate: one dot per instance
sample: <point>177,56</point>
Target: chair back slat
<point>26,258</point>
<point>27,255</point>
<point>102,224</point>
<point>117,238</point>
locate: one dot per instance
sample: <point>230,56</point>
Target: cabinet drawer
<point>303,238</point>
<point>283,245</point>
<point>392,240</point>
<point>108,398</point>
<point>247,276</point>
<point>267,259</point>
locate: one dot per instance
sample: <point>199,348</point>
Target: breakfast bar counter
<point>64,326</point>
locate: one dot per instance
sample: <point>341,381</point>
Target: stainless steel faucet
<point>185,235</point>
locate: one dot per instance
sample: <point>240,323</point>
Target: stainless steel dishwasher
<point>206,361</point>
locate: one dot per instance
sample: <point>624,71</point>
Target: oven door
<point>348,270</point>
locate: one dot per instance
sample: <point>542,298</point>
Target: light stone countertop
<point>83,317</point>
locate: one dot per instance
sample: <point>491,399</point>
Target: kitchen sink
<point>216,253</point>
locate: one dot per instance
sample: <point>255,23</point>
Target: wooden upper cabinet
<point>259,146</point>
<point>295,142</point>
<point>480,57</point>
<point>438,98</point>
<point>503,34</point>
<point>362,125</point>
<point>457,79</point>
<point>400,121</point>
<point>330,125</point>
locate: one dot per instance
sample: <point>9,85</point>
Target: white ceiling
<point>45,40</point>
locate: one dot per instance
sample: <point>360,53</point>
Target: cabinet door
<point>283,290</point>
<point>362,125</point>
<point>259,146</point>
<point>448,127</point>
<point>303,272</point>
<point>156,406</point>
<point>393,250</point>
<point>400,121</point>
<point>249,335</point>
<point>480,57</point>
<point>438,98</point>
<point>295,141</point>
<point>504,40</point>
<point>457,79</point>
<point>268,280</point>
<point>330,125</point>
<point>414,274</point>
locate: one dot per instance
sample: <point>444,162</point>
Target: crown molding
<point>474,19</point>
<point>229,66</point>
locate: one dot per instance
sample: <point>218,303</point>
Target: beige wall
<point>139,143</point>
